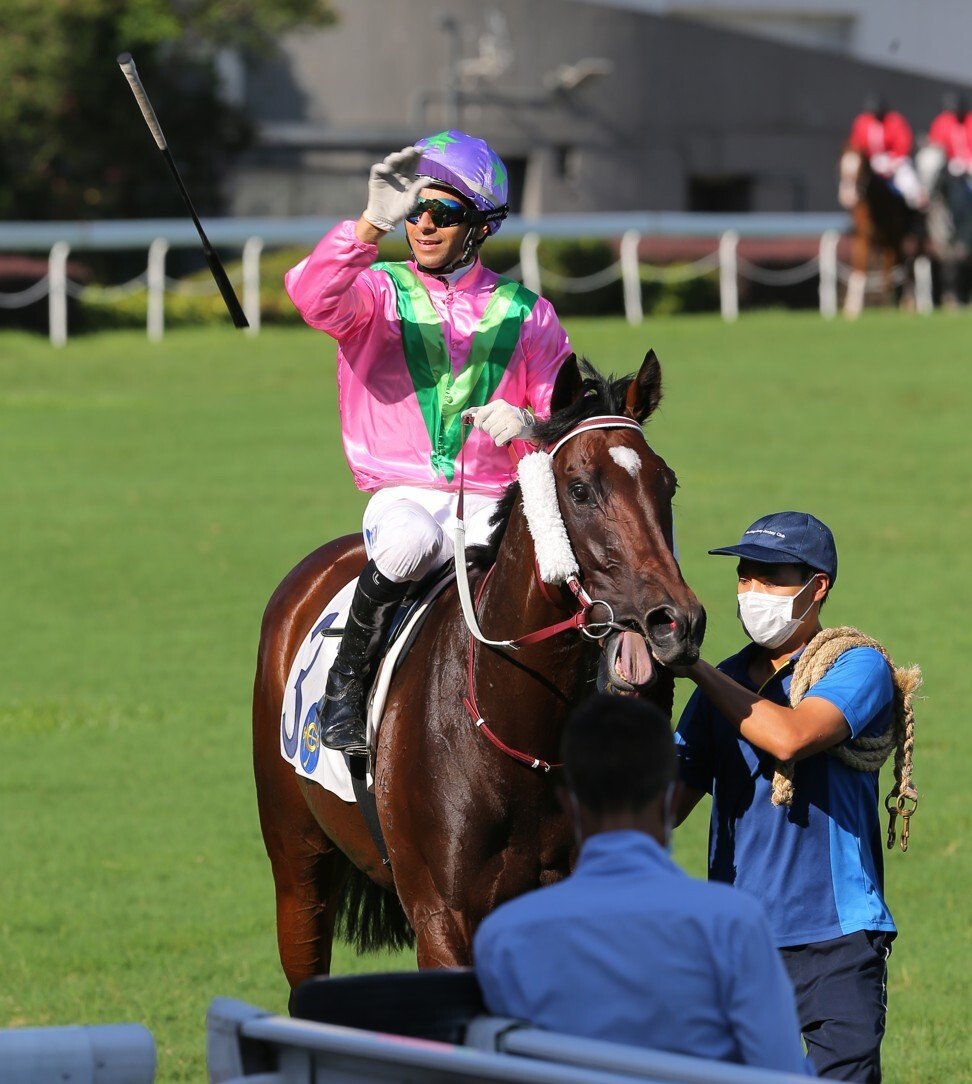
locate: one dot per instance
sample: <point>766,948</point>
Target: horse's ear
<point>568,387</point>
<point>645,391</point>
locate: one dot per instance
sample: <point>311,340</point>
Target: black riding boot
<point>342,708</point>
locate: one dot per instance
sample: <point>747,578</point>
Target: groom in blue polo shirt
<point>815,864</point>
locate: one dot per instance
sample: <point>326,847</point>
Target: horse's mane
<point>599,395</point>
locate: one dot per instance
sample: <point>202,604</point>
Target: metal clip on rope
<point>903,806</point>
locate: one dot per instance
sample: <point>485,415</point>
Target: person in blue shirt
<point>815,863</point>
<point>629,948</point>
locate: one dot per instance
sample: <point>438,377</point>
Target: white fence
<point>159,236</point>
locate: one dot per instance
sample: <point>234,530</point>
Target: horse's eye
<point>579,492</point>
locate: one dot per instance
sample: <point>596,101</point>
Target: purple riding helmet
<point>474,171</point>
<point>471,168</point>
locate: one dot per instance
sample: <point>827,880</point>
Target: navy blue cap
<point>788,538</point>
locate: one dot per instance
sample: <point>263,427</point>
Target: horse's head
<point>615,495</point>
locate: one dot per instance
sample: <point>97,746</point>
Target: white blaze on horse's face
<point>627,459</point>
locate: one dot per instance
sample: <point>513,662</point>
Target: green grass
<point>152,497</point>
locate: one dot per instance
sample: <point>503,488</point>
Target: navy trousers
<point>842,999</point>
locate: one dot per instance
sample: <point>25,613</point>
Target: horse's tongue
<point>634,659</point>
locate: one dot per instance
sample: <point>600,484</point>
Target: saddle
<point>300,742</point>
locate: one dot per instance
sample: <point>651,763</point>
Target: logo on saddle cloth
<point>310,740</point>
<point>443,395</point>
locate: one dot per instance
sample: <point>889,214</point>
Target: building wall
<point>928,38</point>
<point>691,116</point>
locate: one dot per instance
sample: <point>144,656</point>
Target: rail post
<point>57,293</point>
<point>631,277</point>
<point>155,284</point>
<point>251,283</point>
<point>828,273</point>
<point>529,261</point>
<point>728,276</point>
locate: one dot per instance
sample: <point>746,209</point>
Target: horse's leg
<point>442,937</point>
<point>856,284</point>
<point>950,268</point>
<point>897,295</point>
<point>308,870</point>
<point>308,874</point>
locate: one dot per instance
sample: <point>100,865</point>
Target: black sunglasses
<point>443,212</point>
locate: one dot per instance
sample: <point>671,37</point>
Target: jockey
<point>421,346</point>
<point>952,131</point>
<point>884,138</point>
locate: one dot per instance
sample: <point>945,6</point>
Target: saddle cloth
<point>300,740</point>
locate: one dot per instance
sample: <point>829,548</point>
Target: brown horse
<point>881,221</point>
<point>466,825</point>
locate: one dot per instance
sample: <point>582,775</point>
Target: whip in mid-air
<point>127,65</point>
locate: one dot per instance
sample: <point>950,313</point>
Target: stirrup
<point>345,735</point>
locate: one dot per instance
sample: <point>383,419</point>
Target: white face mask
<point>768,619</point>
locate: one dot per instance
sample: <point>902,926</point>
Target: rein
<point>568,576</point>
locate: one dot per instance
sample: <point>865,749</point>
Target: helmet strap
<point>470,250</point>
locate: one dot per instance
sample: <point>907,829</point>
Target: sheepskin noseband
<point>555,556</point>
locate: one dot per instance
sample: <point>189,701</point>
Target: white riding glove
<point>393,188</point>
<point>500,420</point>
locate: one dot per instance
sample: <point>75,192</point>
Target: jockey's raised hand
<point>500,420</point>
<point>393,188</point>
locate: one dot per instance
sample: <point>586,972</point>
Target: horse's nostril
<point>662,623</point>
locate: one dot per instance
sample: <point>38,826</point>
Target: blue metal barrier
<point>104,1054</point>
<point>247,1046</point>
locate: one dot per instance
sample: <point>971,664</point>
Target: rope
<point>788,276</point>
<point>862,754</point>
<point>679,272</point>
<point>25,297</point>
<point>595,281</point>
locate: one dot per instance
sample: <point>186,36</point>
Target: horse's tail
<point>370,917</point>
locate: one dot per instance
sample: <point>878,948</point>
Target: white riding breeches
<point>906,181</point>
<point>410,531</point>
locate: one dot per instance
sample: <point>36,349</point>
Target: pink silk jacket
<point>386,441</point>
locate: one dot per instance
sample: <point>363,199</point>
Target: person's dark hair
<point>806,572</point>
<point>618,753</point>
